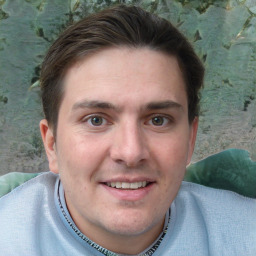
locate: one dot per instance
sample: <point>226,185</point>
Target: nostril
<point>129,143</point>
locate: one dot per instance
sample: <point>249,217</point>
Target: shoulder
<point>208,195</point>
<point>217,201</point>
<point>27,195</point>
<point>11,180</point>
<point>218,206</point>
<point>26,213</point>
<point>225,215</point>
<point>212,221</point>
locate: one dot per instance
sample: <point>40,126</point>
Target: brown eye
<point>158,120</point>
<point>96,120</point>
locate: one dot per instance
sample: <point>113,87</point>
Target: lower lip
<point>130,194</point>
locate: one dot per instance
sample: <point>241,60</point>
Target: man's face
<point>123,142</point>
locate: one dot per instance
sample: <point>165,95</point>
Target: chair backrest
<point>231,169</point>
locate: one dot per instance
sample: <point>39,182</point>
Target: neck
<point>122,243</point>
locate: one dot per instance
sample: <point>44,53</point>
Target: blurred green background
<point>224,36</point>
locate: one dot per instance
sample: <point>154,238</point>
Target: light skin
<point>123,119</point>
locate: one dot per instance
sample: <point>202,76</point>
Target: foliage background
<point>223,33</point>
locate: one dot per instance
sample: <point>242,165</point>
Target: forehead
<point>121,75</point>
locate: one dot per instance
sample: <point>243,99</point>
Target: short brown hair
<point>118,26</point>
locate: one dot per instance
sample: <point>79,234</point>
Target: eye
<point>159,121</point>
<point>96,120</point>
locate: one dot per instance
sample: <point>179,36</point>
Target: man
<point>120,97</point>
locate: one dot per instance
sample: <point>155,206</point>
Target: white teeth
<point>127,185</point>
<point>136,185</point>
<point>118,184</point>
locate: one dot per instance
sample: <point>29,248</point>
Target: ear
<point>192,138</point>
<point>49,145</point>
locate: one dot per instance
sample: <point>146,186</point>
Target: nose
<point>129,145</point>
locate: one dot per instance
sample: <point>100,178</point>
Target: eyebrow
<point>168,104</point>
<point>93,104</point>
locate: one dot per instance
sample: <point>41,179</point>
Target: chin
<point>128,230</point>
<point>131,224</point>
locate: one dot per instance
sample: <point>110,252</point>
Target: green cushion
<point>231,169</point>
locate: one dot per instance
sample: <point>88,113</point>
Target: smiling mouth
<point>128,185</point>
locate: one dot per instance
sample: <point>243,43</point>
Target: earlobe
<point>192,139</point>
<point>49,145</point>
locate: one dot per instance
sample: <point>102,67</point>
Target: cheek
<point>78,150</point>
<point>79,159</point>
<point>171,160</point>
<point>173,152</point>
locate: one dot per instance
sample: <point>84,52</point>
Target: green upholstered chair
<point>231,169</point>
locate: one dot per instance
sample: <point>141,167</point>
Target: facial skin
<point>123,118</point>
